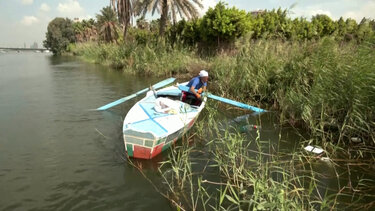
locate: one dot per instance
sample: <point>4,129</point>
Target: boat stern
<point>146,145</point>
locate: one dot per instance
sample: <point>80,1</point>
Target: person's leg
<point>189,98</point>
<point>184,95</point>
<point>197,102</point>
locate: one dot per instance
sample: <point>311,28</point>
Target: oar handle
<point>226,100</point>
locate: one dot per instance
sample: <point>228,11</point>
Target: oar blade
<point>119,101</point>
<point>163,83</point>
<point>124,99</point>
<point>235,103</point>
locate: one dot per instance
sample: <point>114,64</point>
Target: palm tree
<point>85,30</point>
<point>183,8</point>
<point>106,15</point>
<point>112,4</point>
<point>124,10</point>
<point>125,14</point>
<point>107,24</point>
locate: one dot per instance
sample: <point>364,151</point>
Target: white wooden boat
<point>157,121</point>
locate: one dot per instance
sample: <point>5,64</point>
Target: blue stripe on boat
<point>151,118</point>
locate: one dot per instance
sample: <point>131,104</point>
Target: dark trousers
<point>190,98</point>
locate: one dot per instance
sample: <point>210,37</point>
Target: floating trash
<point>249,128</point>
<point>325,159</point>
<point>356,139</point>
<point>315,150</point>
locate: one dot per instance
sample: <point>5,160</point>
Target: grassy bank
<point>324,86</point>
<point>156,60</point>
<point>240,171</point>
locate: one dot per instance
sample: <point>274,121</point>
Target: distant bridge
<point>23,49</point>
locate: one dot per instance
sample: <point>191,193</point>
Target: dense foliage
<point>107,23</point>
<point>85,30</point>
<point>182,8</point>
<point>223,25</point>
<point>60,34</point>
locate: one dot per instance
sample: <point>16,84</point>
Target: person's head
<point>203,75</point>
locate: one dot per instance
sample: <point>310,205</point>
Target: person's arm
<point>201,90</point>
<point>192,90</point>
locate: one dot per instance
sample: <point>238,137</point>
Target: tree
<point>341,29</point>
<point>275,24</point>
<point>324,25</point>
<point>107,23</point>
<point>351,28</point>
<point>60,34</point>
<point>302,29</point>
<point>364,30</point>
<point>142,23</point>
<point>85,30</point>
<point>106,15</point>
<point>183,8</point>
<point>187,32</point>
<point>223,24</point>
<point>124,9</point>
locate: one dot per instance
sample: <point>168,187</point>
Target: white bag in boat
<point>165,105</point>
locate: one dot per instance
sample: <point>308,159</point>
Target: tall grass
<point>324,86</point>
<point>238,172</point>
<point>149,59</point>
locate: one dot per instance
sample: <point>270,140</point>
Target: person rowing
<point>199,83</point>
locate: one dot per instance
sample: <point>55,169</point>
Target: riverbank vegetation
<point>318,75</point>
<point>242,171</point>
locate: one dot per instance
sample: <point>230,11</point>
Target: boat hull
<point>147,133</point>
<point>143,150</point>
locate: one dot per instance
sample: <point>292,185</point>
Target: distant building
<point>35,45</point>
<point>75,20</point>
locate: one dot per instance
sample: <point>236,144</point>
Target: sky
<point>25,21</point>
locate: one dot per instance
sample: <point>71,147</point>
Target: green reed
<point>236,172</point>
<point>324,86</point>
<point>150,59</point>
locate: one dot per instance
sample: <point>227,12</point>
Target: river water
<point>58,154</point>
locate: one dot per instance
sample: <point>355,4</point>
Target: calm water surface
<point>56,154</point>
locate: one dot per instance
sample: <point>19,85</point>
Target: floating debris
<point>315,150</point>
<point>249,128</point>
<point>240,119</point>
<point>356,139</point>
<point>325,159</point>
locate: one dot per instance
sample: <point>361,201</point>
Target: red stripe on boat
<point>157,150</point>
<point>141,152</point>
<point>191,123</point>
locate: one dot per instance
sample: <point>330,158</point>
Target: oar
<point>226,100</point>
<point>119,101</point>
